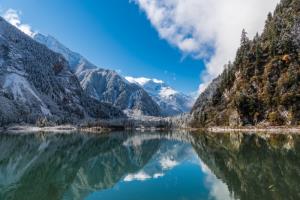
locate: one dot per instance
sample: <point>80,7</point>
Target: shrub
<point>275,118</point>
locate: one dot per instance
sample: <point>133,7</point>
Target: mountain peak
<point>170,101</point>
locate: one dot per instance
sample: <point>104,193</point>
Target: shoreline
<point>73,128</point>
<point>271,129</point>
<point>34,129</point>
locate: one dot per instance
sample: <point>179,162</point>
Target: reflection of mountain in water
<point>253,167</point>
<point>173,150</point>
<point>66,166</point>
<point>73,166</point>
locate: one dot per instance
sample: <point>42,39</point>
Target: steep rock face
<point>102,84</point>
<point>170,101</point>
<point>262,85</point>
<point>108,86</point>
<point>36,82</point>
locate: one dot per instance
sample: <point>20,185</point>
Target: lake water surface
<point>149,166</point>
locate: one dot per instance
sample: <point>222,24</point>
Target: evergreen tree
<point>244,38</point>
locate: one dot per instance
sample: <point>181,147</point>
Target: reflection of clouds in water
<point>142,176</point>
<point>158,175</point>
<point>170,154</point>
<point>218,189</point>
<point>166,158</point>
<point>164,164</point>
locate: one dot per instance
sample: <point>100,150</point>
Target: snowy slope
<point>171,102</point>
<point>109,86</point>
<point>103,84</point>
<point>77,62</point>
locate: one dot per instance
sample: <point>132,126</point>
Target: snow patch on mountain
<point>167,92</point>
<point>22,90</point>
<point>17,84</point>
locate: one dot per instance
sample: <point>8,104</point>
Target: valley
<point>44,83</point>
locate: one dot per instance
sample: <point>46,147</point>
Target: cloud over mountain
<point>13,17</point>
<point>208,30</point>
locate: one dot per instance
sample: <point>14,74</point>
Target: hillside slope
<point>36,82</point>
<point>262,85</point>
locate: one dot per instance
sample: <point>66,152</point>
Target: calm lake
<point>149,166</point>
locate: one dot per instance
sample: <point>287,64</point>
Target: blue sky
<point>113,34</point>
<point>184,42</point>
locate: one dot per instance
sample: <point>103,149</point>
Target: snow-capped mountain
<point>109,86</point>
<point>171,102</point>
<point>36,82</point>
<point>103,84</point>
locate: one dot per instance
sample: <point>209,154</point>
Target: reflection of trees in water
<point>66,166</point>
<point>253,166</point>
<point>62,166</point>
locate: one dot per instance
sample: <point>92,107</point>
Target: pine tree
<point>258,54</point>
<point>244,38</point>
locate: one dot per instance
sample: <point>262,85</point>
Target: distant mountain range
<point>103,84</point>
<point>40,77</point>
<point>170,101</point>
<point>151,98</point>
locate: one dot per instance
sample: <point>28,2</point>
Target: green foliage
<point>249,107</point>
<point>275,118</point>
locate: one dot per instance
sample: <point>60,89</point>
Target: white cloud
<point>142,80</point>
<point>197,27</point>
<point>142,176</point>
<point>13,17</point>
